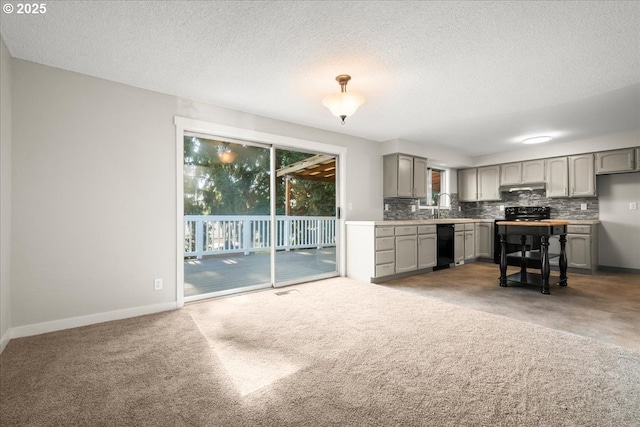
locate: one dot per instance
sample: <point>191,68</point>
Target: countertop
<point>458,221</point>
<point>551,222</point>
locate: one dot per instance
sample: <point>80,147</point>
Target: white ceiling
<point>473,76</point>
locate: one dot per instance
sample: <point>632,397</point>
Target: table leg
<point>563,260</point>
<point>503,260</point>
<point>523,258</point>
<point>545,269</point>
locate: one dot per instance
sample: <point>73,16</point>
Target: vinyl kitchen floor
<point>604,306</point>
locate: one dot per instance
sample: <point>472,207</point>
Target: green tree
<point>241,187</point>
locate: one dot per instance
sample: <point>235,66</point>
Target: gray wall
<point>5,194</point>
<point>94,190</point>
<point>619,244</point>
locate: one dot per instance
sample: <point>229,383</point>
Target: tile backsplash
<point>560,208</point>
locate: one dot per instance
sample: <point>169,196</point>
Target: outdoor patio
<point>232,271</point>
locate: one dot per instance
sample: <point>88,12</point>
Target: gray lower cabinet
<point>406,253</point>
<point>458,243</point>
<point>484,240</point>
<point>469,242</point>
<point>582,246</point>
<point>427,246</point>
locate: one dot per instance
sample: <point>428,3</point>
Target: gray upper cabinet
<point>582,177</point>
<point>489,183</point>
<point>420,177</point>
<point>533,171</point>
<point>405,176</point>
<point>615,161</point>
<point>479,184</point>
<point>468,185</point>
<point>510,173</point>
<point>522,172</point>
<point>557,177</point>
<point>638,159</point>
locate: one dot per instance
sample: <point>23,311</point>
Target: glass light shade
<point>343,103</point>
<point>227,156</point>
<point>537,140</point>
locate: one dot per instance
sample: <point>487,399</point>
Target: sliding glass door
<point>306,216</point>
<point>255,216</point>
<point>227,237</point>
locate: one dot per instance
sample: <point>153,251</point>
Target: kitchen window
<point>437,190</point>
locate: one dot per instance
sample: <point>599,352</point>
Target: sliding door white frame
<point>184,124</point>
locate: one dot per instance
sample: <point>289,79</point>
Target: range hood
<point>522,187</point>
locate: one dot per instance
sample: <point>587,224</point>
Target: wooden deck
<point>224,272</point>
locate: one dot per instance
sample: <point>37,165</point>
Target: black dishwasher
<point>445,246</point>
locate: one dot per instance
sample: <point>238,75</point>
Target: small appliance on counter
<point>520,213</point>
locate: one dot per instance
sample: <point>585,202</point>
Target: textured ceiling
<point>473,76</point>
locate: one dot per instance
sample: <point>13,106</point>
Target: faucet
<point>436,212</point>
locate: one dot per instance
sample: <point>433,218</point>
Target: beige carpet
<point>336,352</point>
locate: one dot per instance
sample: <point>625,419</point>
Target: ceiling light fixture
<point>225,154</point>
<point>343,104</point>
<point>537,140</point>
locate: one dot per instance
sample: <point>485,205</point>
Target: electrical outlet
<point>413,208</point>
<point>386,207</point>
<point>583,206</point>
<point>157,284</point>
<point>633,206</point>
<point>502,207</point>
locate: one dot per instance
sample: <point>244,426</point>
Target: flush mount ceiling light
<point>537,140</point>
<point>343,104</point>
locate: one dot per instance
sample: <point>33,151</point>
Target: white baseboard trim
<point>4,340</point>
<point>75,322</point>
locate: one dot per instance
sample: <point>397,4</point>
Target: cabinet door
<point>615,161</point>
<point>489,183</point>
<point>484,240</point>
<point>578,250</point>
<point>533,171</point>
<point>458,246</point>
<point>582,177</point>
<point>638,159</point>
<point>557,177</point>
<point>419,177</point>
<point>406,253</point>
<point>467,185</point>
<point>469,245</point>
<point>510,173</point>
<point>427,250</point>
<point>405,176</point>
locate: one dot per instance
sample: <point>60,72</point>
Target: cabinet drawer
<point>385,243</point>
<point>385,257</point>
<point>459,227</point>
<point>406,231</point>
<point>385,269</point>
<point>578,229</point>
<point>427,229</point>
<point>384,231</point>
<point>469,226</point>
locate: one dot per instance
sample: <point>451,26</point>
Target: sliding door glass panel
<point>305,217</point>
<point>227,223</point>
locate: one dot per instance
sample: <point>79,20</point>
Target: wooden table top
<point>545,223</point>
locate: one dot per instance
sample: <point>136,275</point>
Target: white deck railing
<point>225,234</point>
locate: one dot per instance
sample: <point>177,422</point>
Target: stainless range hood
<point>522,187</point>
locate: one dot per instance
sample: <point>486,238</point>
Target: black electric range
<point>520,213</point>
